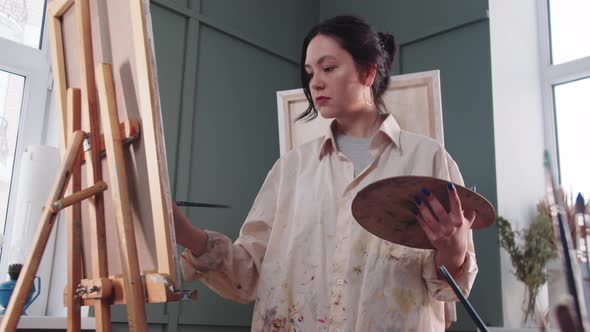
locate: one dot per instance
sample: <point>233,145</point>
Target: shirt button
<point>340,282</point>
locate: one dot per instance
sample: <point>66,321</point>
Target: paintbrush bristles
<point>580,206</point>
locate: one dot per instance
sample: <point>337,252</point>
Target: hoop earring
<point>365,98</point>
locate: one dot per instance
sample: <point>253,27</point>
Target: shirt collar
<point>389,129</point>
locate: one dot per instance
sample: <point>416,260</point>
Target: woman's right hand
<point>187,235</point>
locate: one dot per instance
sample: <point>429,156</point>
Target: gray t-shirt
<point>357,149</point>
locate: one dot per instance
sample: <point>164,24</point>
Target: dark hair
<point>367,47</point>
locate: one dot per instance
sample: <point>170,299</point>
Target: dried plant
<point>529,256</point>
<point>538,244</point>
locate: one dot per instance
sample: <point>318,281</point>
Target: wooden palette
<point>384,208</point>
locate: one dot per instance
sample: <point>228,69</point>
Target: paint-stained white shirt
<point>311,267</point>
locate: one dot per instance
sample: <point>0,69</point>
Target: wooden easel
<point>103,291</point>
<point>85,144</point>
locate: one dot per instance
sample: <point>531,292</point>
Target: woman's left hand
<point>449,232</point>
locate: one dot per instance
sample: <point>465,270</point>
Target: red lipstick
<point>320,100</point>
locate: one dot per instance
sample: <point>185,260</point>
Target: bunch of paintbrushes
<point>571,311</point>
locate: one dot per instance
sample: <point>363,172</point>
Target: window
<point>21,21</point>
<point>24,78</point>
<point>24,114</point>
<point>565,74</point>
<point>569,27</point>
<point>11,100</point>
<point>572,118</point>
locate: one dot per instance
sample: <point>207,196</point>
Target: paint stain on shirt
<point>268,317</point>
<point>357,269</point>
<point>360,248</point>
<point>404,298</point>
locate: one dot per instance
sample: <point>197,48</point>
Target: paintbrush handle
<point>474,316</point>
<point>206,205</point>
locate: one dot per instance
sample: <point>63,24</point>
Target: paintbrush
<point>560,222</point>
<point>580,214</point>
<point>470,310</point>
<point>205,205</point>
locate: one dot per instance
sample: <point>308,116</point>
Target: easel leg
<point>92,167</point>
<point>73,219</point>
<point>134,289</point>
<point>25,280</point>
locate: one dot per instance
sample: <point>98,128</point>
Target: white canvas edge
<point>283,97</point>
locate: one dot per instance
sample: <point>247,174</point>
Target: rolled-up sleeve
<point>232,269</point>
<point>439,288</point>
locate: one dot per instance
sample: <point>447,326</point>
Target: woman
<point>301,255</point>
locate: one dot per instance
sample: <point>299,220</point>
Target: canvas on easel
<point>413,99</point>
<point>120,34</point>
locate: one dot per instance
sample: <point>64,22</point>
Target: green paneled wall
<point>409,20</point>
<point>151,328</point>
<point>280,24</point>
<point>220,63</point>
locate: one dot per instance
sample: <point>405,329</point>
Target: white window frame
<point>34,65</point>
<point>551,75</point>
<point>38,126</point>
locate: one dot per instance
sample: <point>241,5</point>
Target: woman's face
<point>335,83</point>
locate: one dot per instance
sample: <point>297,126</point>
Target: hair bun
<point>388,45</point>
